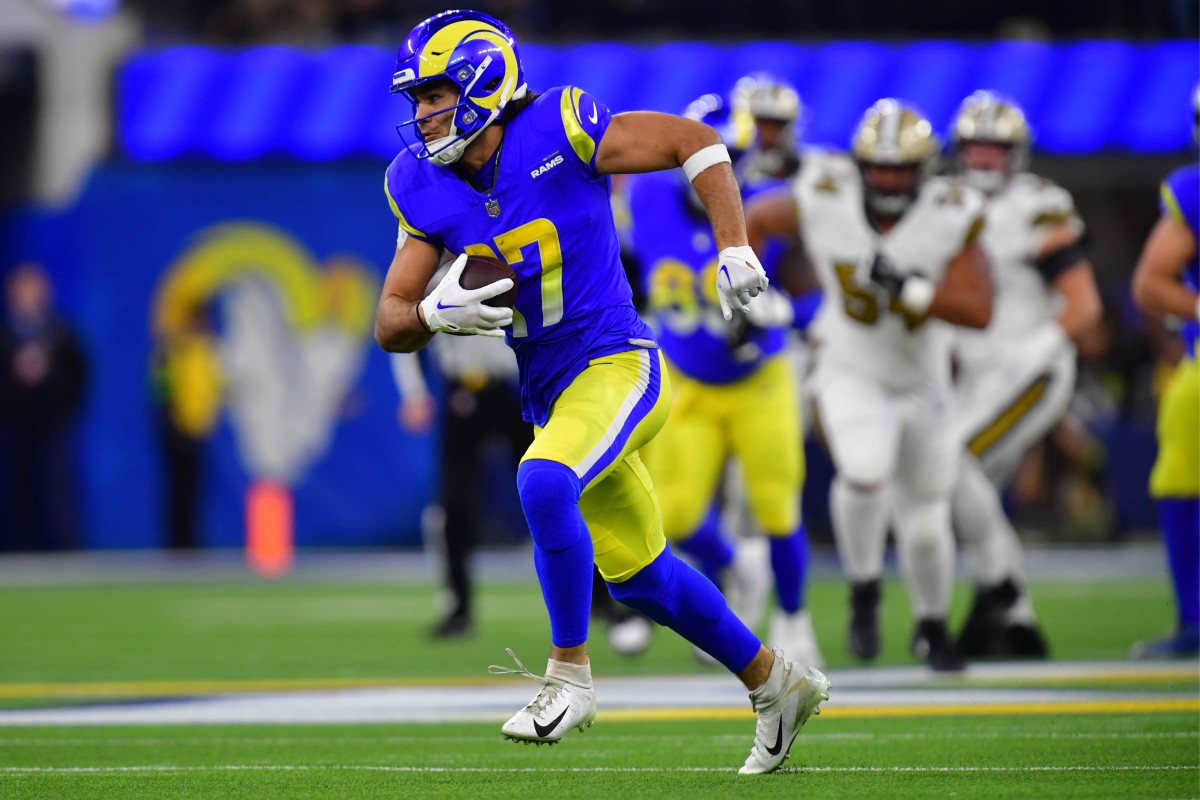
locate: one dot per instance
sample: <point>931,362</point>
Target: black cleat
<point>981,633</point>
<point>932,644</point>
<point>454,626</point>
<point>863,637</point>
<point>1020,640</point>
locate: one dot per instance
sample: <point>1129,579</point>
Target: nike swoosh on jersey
<point>595,115</point>
<point>542,730</point>
<point>774,749</point>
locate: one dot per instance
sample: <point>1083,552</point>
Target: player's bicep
<point>647,141</point>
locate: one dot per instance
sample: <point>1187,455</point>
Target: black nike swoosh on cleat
<point>542,730</point>
<point>774,749</point>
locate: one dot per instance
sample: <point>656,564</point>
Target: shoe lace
<point>550,688</point>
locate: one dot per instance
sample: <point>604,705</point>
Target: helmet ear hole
<point>491,85</point>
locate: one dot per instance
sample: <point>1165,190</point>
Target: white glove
<point>772,310</point>
<point>449,308</point>
<point>739,277</point>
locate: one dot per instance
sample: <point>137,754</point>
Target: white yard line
<point>174,769</point>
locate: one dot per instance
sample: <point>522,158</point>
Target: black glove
<point>883,274</point>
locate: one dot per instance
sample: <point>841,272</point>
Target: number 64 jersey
<point>859,326</point>
<point>549,216</point>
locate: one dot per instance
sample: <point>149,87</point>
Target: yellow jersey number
<point>862,306</point>
<point>679,295</point>
<point>511,244</point>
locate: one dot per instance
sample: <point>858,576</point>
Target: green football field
<point>1089,725</point>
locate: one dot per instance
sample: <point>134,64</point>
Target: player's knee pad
<point>550,494</point>
<point>775,506</point>
<point>925,525</point>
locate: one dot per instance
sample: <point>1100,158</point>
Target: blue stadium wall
<point>298,140</point>
<point>107,254</point>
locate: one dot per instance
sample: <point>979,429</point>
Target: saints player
<point>898,256</point>
<point>1165,283</point>
<point>1015,378</point>
<point>496,169</point>
<point>773,108</point>
<point>717,370</point>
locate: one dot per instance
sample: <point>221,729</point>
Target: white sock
<point>575,674</point>
<point>988,538</point>
<point>860,523</point>
<point>926,549</point>
<point>771,689</point>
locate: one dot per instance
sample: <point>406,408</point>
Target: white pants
<point>895,454</point>
<point>1010,402</point>
<point>877,434</point>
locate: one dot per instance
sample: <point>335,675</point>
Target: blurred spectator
<point>43,377</point>
<point>384,21</point>
<point>187,390</point>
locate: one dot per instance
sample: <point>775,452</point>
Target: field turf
<point>88,644</point>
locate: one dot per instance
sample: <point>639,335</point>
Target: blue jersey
<point>548,216</point>
<point>1181,201</point>
<point>679,260</point>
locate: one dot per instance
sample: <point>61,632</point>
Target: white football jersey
<point>1018,217</point>
<point>859,325</point>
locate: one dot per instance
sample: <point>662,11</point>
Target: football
<point>480,271</point>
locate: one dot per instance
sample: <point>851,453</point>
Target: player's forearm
<point>960,309</point>
<point>718,190</point>
<point>1159,294</point>
<point>1083,309</point>
<point>398,328</point>
<point>966,293</point>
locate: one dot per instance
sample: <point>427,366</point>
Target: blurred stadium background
<point>152,151</point>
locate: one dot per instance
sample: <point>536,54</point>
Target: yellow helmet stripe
<point>435,57</point>
<point>396,210</point>
<point>437,51</point>
<point>581,142</point>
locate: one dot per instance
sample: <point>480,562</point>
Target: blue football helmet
<point>475,52</point>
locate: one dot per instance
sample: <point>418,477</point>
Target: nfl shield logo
<point>493,207</point>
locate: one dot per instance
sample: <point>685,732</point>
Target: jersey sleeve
<point>407,228</point>
<point>1180,198</point>
<point>585,121</point>
<point>1053,207</point>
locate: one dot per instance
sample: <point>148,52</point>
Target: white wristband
<point>704,158</point>
<point>917,294</point>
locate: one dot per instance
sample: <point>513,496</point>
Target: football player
<point>1165,283</point>
<point>493,168</point>
<point>897,253</point>
<point>1015,379</point>
<point>718,369</point>
<point>772,107</point>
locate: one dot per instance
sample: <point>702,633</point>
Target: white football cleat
<point>792,693</point>
<point>793,633</point>
<point>558,707</point>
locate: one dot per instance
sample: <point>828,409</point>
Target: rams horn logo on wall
<point>291,342</point>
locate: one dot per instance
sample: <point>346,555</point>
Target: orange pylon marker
<point>270,540</point>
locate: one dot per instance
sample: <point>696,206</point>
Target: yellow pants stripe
<point>1008,418</point>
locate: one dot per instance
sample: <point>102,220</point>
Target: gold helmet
<point>993,118</point>
<point>894,134</point>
